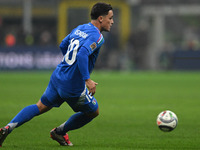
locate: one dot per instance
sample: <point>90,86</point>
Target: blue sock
<point>23,116</point>
<point>76,121</point>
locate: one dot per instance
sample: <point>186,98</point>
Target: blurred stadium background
<point>147,35</point>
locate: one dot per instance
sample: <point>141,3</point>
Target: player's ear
<point>100,18</point>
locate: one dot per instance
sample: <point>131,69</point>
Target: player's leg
<point>93,114</point>
<point>31,111</point>
<point>27,114</point>
<point>52,98</point>
<point>75,121</point>
<point>42,108</point>
<point>23,116</point>
<point>88,110</point>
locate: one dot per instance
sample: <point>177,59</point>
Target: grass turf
<point>129,104</point>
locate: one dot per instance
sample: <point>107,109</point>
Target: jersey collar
<point>90,24</point>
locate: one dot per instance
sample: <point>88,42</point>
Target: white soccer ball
<point>167,121</point>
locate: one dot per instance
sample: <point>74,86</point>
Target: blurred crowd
<point>181,33</point>
<point>12,33</point>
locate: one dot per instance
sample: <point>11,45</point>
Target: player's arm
<point>82,60</point>
<point>64,45</point>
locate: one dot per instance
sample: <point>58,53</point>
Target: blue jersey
<point>80,50</point>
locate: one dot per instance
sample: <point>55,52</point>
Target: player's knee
<point>42,108</point>
<point>94,114</point>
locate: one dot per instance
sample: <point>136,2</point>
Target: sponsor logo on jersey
<point>81,34</point>
<point>93,46</point>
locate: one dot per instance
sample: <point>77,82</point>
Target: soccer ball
<point>167,121</point>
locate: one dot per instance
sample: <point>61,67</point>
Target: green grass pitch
<point>129,104</point>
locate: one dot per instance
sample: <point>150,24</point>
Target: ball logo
<point>159,122</point>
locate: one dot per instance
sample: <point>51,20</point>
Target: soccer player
<point>70,82</point>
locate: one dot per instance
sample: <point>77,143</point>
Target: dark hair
<point>100,9</point>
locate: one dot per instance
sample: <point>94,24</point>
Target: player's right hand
<point>91,85</point>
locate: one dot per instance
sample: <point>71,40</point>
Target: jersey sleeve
<point>64,45</point>
<point>82,60</point>
<point>93,43</point>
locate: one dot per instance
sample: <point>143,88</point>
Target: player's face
<point>107,21</point>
